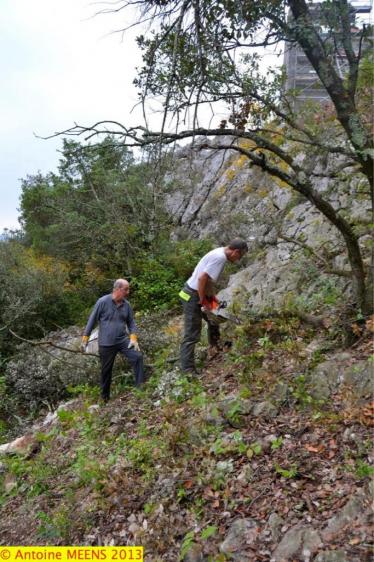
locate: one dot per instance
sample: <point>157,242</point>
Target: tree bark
<point>342,97</point>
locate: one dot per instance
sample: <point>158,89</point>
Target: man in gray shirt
<point>117,334</point>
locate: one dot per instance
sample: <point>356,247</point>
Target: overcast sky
<point>58,65</point>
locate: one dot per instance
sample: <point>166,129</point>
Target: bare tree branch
<point>51,344</point>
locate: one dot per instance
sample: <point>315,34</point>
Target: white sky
<point>58,65</point>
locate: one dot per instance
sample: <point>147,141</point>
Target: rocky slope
<point>267,456</point>
<point>216,194</point>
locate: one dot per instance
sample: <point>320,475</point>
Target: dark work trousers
<point>107,357</point>
<point>192,329</point>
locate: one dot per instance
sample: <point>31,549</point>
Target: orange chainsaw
<point>212,308</point>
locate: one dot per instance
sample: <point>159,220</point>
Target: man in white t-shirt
<point>197,295</point>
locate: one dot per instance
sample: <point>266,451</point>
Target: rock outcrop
<point>217,194</point>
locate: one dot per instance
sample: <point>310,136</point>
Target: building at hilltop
<point>302,79</point>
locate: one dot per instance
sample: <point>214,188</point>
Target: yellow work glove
<point>134,342</point>
<point>84,344</point>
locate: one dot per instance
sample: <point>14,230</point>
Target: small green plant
<point>286,472</point>
<point>289,344</point>
<point>234,411</point>
<point>197,508</point>
<point>250,364</point>
<point>234,445</point>
<point>181,494</point>
<point>47,529</point>
<point>277,443</point>
<point>256,448</point>
<point>363,470</point>
<point>245,392</point>
<point>149,508</point>
<point>186,544</point>
<point>89,469</point>
<point>316,358</point>
<point>55,526</point>
<point>200,400</point>
<point>66,417</point>
<point>87,391</point>
<point>208,532</point>
<point>265,342</point>
<point>299,391</point>
<point>218,447</point>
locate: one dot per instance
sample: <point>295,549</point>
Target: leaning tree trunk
<point>359,286</point>
<point>342,91</point>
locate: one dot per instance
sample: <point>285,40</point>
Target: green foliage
<point>256,448</point>
<point>32,300</point>
<point>363,469</point>
<point>162,274</point>
<point>97,205</point>
<point>33,379</point>
<point>236,444</point>
<point>235,411</point>
<point>97,217</point>
<point>299,391</point>
<point>88,392</point>
<point>89,469</point>
<point>55,526</point>
<point>208,532</point>
<point>286,472</point>
<point>276,443</point>
<point>186,544</point>
<point>156,286</point>
<point>265,342</point>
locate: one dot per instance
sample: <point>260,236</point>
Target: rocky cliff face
<point>217,194</point>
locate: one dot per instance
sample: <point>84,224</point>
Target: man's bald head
<point>121,289</point>
<point>120,284</point>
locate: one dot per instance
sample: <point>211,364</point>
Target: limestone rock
<point>20,446</point>
<point>217,195</point>
<point>10,482</point>
<point>234,409</point>
<point>341,369</point>
<point>194,554</point>
<point>242,533</point>
<point>300,542</point>
<point>355,508</point>
<point>265,409</point>
<point>275,523</point>
<point>332,556</point>
<point>246,474</point>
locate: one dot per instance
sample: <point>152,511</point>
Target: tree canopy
<point>200,52</point>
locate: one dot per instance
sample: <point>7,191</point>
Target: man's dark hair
<point>238,244</point>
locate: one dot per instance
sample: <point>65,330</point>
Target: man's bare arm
<point>203,281</point>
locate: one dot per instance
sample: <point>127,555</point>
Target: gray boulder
<point>242,533</point>
<point>342,370</point>
<point>332,556</point>
<point>300,542</point>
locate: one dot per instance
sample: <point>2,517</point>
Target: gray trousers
<point>107,357</point>
<point>193,317</point>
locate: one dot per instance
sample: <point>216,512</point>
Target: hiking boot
<point>191,373</point>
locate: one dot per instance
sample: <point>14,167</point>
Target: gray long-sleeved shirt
<point>115,321</point>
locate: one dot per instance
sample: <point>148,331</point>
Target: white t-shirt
<point>212,263</point>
